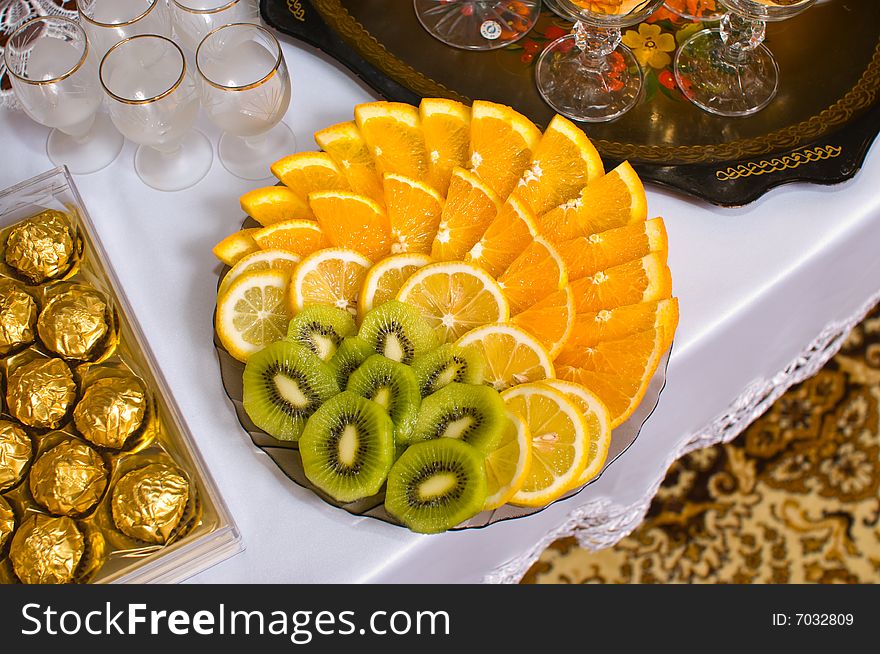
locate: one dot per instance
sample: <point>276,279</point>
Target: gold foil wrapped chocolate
<point>15,454</point>
<point>46,550</point>
<point>40,392</point>
<point>41,247</point>
<point>111,410</point>
<point>69,479</point>
<point>18,315</point>
<point>73,322</point>
<point>149,502</point>
<point>7,522</point>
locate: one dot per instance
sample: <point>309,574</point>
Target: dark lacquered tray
<point>818,129</point>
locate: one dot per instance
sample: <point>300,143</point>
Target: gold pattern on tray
<point>786,162</point>
<point>296,9</point>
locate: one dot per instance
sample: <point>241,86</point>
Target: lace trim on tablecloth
<point>602,523</point>
<point>13,13</point>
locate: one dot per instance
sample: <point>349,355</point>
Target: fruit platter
<point>444,317</point>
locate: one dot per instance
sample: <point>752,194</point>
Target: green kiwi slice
<point>284,384</point>
<point>447,364</point>
<point>436,485</point>
<point>321,328</point>
<point>352,352</point>
<point>392,386</point>
<point>473,414</point>
<point>397,331</point>
<point>347,447</point>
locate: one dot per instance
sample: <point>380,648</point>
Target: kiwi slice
<point>397,331</point>
<point>347,447</point>
<point>436,485</point>
<point>446,364</point>
<point>352,352</point>
<point>321,328</point>
<point>471,413</point>
<point>284,384</point>
<point>392,386</point>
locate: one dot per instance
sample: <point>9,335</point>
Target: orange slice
<point>331,276</point>
<point>306,172</point>
<point>615,200</point>
<point>301,237</point>
<point>393,133</point>
<point>598,425</point>
<point>642,280</point>
<point>550,320</point>
<point>565,161</point>
<point>587,255</point>
<point>592,328</point>
<point>344,143</point>
<point>353,221</point>
<point>235,246</point>
<point>505,239</point>
<point>512,355</point>
<point>502,144</point>
<point>455,298</point>
<point>536,273</point>
<point>274,204</point>
<point>470,208</point>
<point>387,277</point>
<point>414,210</point>
<point>446,125</point>
<point>508,464</point>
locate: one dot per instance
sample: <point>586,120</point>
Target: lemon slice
<point>512,355</point>
<point>455,298</point>
<point>253,312</point>
<point>560,442</point>
<point>598,423</point>
<point>332,276</point>
<point>385,279</point>
<point>235,246</point>
<point>262,260</point>
<point>508,464</point>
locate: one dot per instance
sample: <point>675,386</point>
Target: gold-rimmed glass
<point>245,89</point>
<point>55,80</point>
<point>107,22</point>
<point>154,102</point>
<point>193,20</point>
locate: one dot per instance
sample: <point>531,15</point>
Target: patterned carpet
<point>794,499</point>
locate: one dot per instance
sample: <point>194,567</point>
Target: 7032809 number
<point>823,619</point>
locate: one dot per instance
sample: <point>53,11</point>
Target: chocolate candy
<point>68,479</point>
<point>15,454</point>
<point>46,550</point>
<point>7,522</point>
<point>74,322</point>
<point>149,502</point>
<point>111,410</point>
<point>40,392</point>
<point>18,314</point>
<point>41,247</point>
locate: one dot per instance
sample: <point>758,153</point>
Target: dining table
<point>767,291</point>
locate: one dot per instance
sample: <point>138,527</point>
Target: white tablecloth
<point>757,285</point>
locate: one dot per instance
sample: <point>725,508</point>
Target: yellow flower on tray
<point>650,45</point>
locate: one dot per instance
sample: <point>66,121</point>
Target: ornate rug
<point>794,499</point>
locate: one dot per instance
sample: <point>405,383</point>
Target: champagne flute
<point>154,102</point>
<point>478,24</point>
<point>588,75</point>
<point>56,82</point>
<point>107,22</point>
<point>728,70</point>
<point>194,19</point>
<point>246,92</point>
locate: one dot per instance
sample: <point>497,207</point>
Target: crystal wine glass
<point>195,19</point>
<point>246,92</point>
<point>107,22</point>
<point>588,75</point>
<point>727,70</point>
<point>56,82</point>
<point>154,102</point>
<point>478,24</point>
<point>704,11</point>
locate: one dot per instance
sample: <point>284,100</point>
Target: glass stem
<point>740,36</point>
<point>255,142</point>
<point>168,149</point>
<point>595,43</point>
<point>81,132</point>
